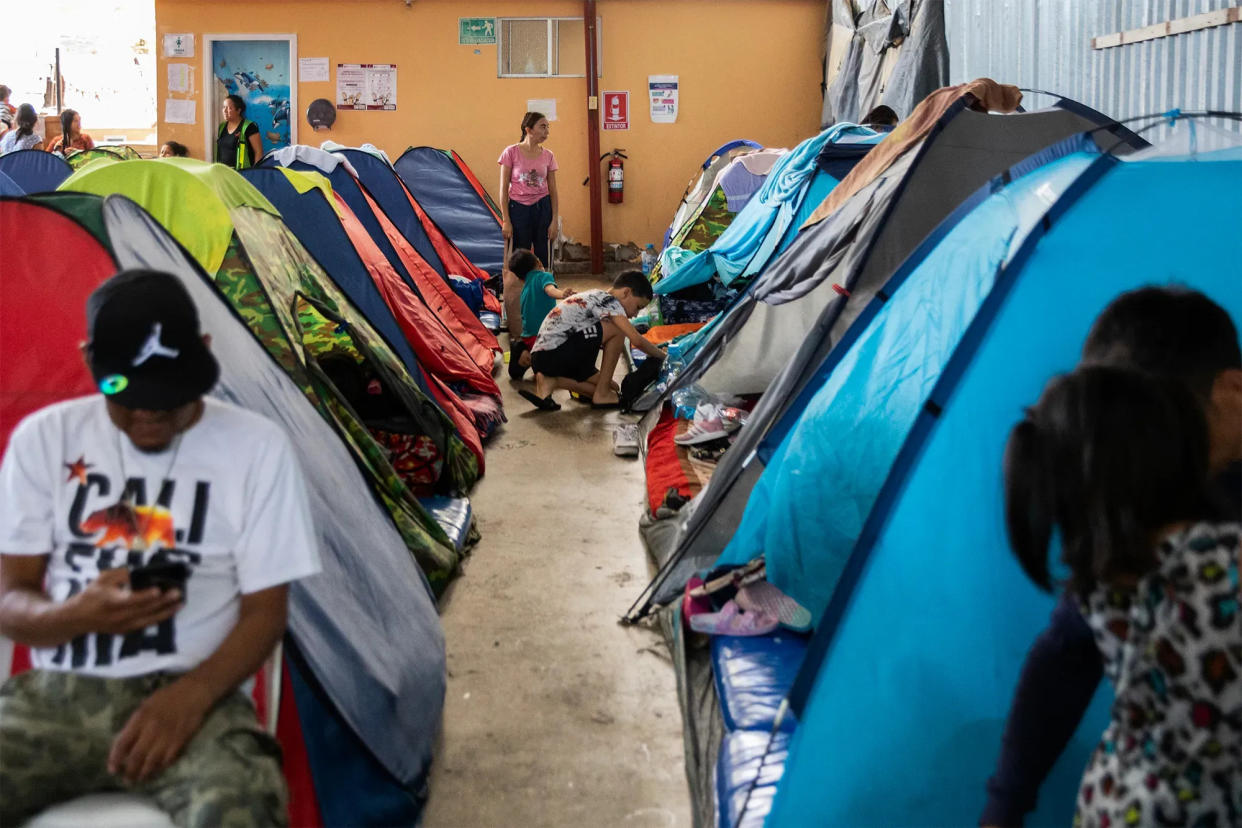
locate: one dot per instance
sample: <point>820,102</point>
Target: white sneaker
<point>701,431</point>
<point>625,440</point>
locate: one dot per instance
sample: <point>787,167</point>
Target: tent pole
<point>592,79</point>
<point>59,102</point>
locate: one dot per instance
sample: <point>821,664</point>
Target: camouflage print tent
<point>120,152</point>
<point>703,213</point>
<point>316,335</point>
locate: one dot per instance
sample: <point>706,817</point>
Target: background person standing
<point>528,203</point>
<point>238,143</point>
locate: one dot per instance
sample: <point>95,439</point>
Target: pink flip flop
<point>762,596</point>
<point>693,605</point>
<point>732,621</point>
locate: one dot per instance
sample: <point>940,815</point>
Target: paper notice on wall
<point>179,45</point>
<point>545,105</point>
<point>179,111</point>
<point>312,70</point>
<point>663,91</point>
<point>366,86</point>
<point>179,77</point>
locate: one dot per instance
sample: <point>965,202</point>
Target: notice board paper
<point>179,77</point>
<point>312,70</point>
<point>179,111</point>
<point>545,105</point>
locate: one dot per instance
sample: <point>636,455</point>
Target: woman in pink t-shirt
<point>528,200</point>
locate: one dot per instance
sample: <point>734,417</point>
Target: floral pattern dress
<point>1172,646</point>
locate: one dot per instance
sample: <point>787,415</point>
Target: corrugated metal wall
<point>1046,44</point>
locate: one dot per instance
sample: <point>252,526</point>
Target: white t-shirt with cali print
<point>228,500</point>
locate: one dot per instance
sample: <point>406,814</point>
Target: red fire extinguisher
<point>616,177</point>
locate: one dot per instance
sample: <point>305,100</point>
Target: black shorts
<point>573,359</point>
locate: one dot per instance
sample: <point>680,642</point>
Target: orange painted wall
<point>747,70</point>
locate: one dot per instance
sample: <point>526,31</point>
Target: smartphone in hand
<point>166,576</point>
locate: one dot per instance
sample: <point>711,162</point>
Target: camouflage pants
<point>56,730</point>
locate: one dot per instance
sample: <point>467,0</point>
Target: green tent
<point>119,152</point>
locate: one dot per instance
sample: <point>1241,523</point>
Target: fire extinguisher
<point>616,177</point>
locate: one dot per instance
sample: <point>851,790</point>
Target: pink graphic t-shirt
<point>528,179</point>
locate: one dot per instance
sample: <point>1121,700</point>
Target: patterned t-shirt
<point>580,313</point>
<point>528,178</point>
<point>1172,646</point>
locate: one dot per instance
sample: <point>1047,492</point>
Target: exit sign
<point>476,31</point>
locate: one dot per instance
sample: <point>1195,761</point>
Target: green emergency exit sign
<point>476,31</point>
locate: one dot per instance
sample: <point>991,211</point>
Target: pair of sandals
<point>549,404</point>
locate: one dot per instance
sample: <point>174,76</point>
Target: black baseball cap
<point>144,345</point>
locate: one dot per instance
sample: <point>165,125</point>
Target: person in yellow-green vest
<point>238,143</point>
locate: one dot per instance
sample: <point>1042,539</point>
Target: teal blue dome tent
<point>776,339</point>
<point>927,617</point>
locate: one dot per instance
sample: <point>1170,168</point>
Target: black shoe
<point>541,403</point>
<point>516,371</point>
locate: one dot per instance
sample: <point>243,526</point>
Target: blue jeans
<point>530,227</point>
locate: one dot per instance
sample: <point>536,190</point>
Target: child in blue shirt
<point>539,296</point>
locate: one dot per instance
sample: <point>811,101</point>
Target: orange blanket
<point>989,95</point>
<point>666,333</point>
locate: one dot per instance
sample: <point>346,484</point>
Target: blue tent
<point>452,202</point>
<point>780,333</point>
<point>314,221</point>
<point>388,191</point>
<point>756,232</point>
<point>35,171</point>
<point>346,186</point>
<point>8,187</point>
<point>912,668</point>
<point>868,392</point>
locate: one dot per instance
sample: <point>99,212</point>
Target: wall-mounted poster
<point>262,71</point>
<point>616,110</point>
<point>366,86</point>
<point>663,92</point>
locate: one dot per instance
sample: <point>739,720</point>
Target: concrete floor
<point>556,715</point>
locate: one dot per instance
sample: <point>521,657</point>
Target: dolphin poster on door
<point>366,86</point>
<point>258,71</point>
<point>662,89</point>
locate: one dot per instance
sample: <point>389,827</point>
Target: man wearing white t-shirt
<point>147,540</point>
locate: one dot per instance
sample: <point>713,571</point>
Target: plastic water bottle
<point>684,401</point>
<point>673,362</point>
<point>650,257</point>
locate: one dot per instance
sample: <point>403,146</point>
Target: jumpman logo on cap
<point>153,347</point>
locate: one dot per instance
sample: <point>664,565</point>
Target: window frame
<point>502,48</point>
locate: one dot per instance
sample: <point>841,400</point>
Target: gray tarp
<point>703,727</point>
<point>913,30</point>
